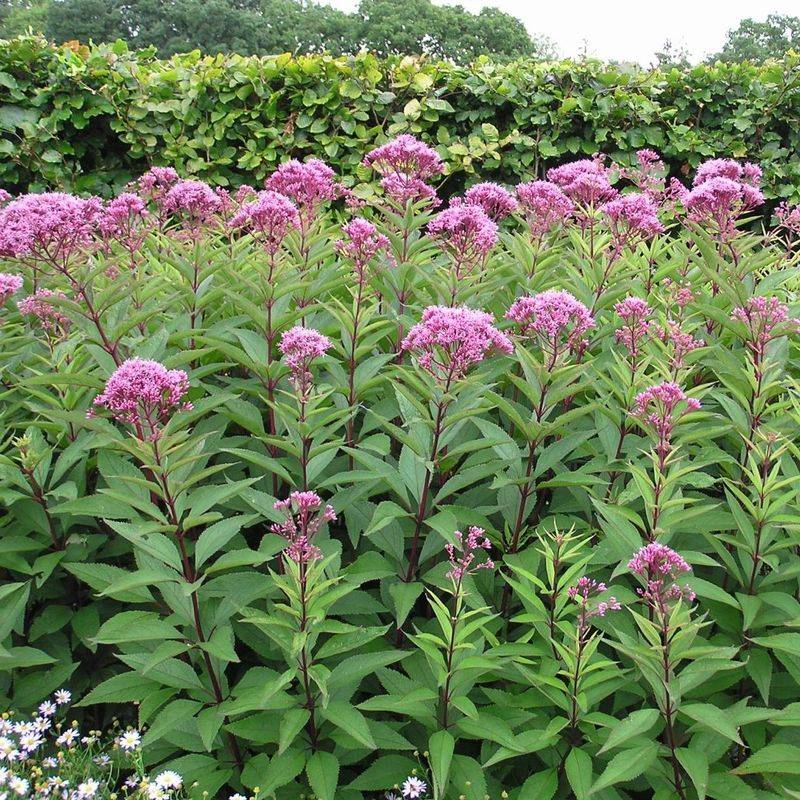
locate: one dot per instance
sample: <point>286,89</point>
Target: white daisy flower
<point>169,780</point>
<point>130,740</point>
<point>62,697</point>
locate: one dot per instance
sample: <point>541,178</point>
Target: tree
<point>758,41</point>
<point>274,26</point>
<point>672,55</point>
<point>19,16</point>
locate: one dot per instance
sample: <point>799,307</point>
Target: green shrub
<point>90,119</point>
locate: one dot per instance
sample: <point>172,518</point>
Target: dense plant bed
<point>498,497</point>
<point>90,119</point>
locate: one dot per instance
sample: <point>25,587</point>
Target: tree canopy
<point>257,27</point>
<point>757,41</point>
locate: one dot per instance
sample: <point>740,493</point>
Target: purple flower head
<point>632,218</point>
<point>268,218</point>
<point>145,394</point>
<point>300,346</point>
<point>660,569</point>
<point>682,342</point>
<point>448,341</point>
<point>660,408</point>
<point>308,184</point>
<point>497,202</point>
<point>194,201</point>
<point>124,219</point>
<point>304,515</point>
<point>462,553</point>
<point>586,182</point>
<point>635,314</point>
<point>413,788</point>
<point>4,196</point>
<point>47,227</point>
<point>544,205</point>
<point>788,218</point>
<point>466,233</point>
<point>556,319</point>
<point>680,294</point>
<point>40,306</point>
<point>718,202</point>
<point>747,173</point>
<point>244,193</point>
<point>585,592</point>
<point>156,182</point>
<point>406,164</point>
<point>648,174</point>
<point>9,285</point>
<point>765,319</point>
<point>361,244</point>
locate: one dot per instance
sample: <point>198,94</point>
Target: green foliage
<point>759,41</point>
<point>89,120</point>
<point>147,567</point>
<point>265,27</point>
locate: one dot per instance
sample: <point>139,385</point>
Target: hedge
<point>88,118</point>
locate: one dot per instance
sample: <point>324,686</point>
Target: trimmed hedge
<point>88,118</point>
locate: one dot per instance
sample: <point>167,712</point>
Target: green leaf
<point>634,724</point>
<point>292,722</point>
<point>626,765</point>
<point>323,774</point>
<point>578,767</point>
<point>350,720</point>
<point>441,746</point>
<point>135,626</point>
<point>716,719</point>
<point>782,759</point>
<point>696,765</point>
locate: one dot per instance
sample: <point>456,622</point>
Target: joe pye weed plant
<point>344,489</point>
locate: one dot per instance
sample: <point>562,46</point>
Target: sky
<point>629,30</point>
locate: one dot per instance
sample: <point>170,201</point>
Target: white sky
<point>628,30</point>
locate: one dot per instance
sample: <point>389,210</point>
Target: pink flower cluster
<point>156,182</point>
<point>586,182</point>
<point>680,294</point>
<point>145,394</point>
<point>300,346</point>
<point>648,174</point>
<point>661,407</point>
<point>308,183</point>
<point>9,285</point>
<point>466,232</point>
<point>497,202</point>
<point>40,305</point>
<point>406,164</point>
<point>721,192</point>
<point>660,568</point>
<point>584,592</point>
<point>632,218</point>
<point>361,244</point>
<point>268,218</point>
<point>195,201</point>
<point>682,342</point>
<point>304,515</point>
<point>449,341</point>
<point>747,173</point>
<point>462,553</point>
<point>788,218</point>
<point>556,319</point>
<point>544,206</point>
<point>635,314</point>
<point>765,318</point>
<point>123,219</point>
<point>47,227</point>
